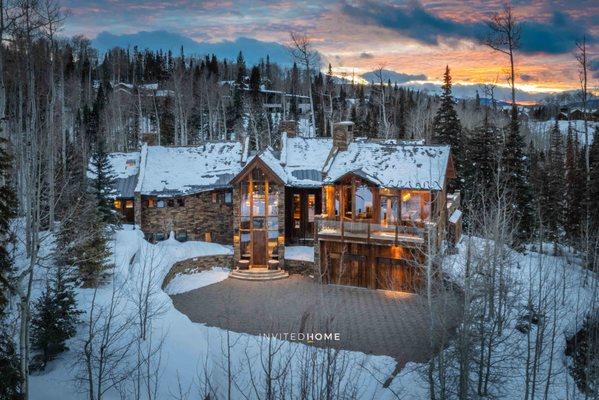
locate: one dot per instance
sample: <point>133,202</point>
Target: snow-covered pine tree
<point>554,209</point>
<point>55,314</point>
<point>447,128</point>
<point>515,176</point>
<point>82,241</point>
<point>574,189</point>
<point>102,184</point>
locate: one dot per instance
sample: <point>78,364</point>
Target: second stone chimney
<point>343,134</point>
<point>289,126</point>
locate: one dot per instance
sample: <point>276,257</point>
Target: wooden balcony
<point>368,232</point>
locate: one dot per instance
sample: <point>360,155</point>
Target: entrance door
<point>259,239</point>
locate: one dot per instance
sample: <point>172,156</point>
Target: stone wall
<point>197,264</point>
<point>299,267</point>
<point>200,214</point>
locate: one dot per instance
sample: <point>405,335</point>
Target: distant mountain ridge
<point>253,50</point>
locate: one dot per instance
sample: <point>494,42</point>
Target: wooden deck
<point>366,232</point>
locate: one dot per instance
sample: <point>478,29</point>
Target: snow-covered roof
<point>172,171</point>
<point>391,165</point>
<point>304,158</point>
<point>125,167</point>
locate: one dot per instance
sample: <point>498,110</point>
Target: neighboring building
<point>372,209</point>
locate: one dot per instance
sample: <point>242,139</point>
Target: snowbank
<point>185,283</point>
<point>299,253</point>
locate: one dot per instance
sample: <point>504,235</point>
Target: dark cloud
<point>366,56</point>
<point>558,35</point>
<point>555,36</point>
<point>393,76</point>
<point>527,78</point>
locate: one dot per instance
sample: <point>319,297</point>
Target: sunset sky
<point>411,37</point>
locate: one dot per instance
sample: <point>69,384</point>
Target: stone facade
<point>203,216</point>
<point>299,267</point>
<point>197,264</point>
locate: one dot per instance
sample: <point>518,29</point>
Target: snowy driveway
<point>369,321</point>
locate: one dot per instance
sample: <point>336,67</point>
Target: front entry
<point>259,240</point>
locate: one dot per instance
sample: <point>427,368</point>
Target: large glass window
<point>337,202</point>
<point>389,210</point>
<point>348,199</point>
<point>415,205</point>
<point>245,200</point>
<point>258,198</point>
<point>297,211</point>
<point>363,202</point>
<point>311,207</point>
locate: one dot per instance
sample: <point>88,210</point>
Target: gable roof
<point>392,165</point>
<point>267,160</point>
<point>173,171</point>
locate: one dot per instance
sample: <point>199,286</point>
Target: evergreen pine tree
<point>10,376</point>
<point>102,184</point>
<point>554,209</point>
<point>447,128</point>
<point>574,189</point>
<point>515,174</point>
<point>8,206</point>
<point>9,361</point>
<point>594,180</point>
<point>83,242</point>
<point>241,73</point>
<point>479,148</point>
<point>55,314</point>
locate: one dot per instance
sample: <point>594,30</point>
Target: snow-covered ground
<point>191,354</point>
<point>194,356</point>
<point>299,253</point>
<point>185,283</point>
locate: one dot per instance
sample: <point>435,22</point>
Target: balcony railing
<point>367,231</point>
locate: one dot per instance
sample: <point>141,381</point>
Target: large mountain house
<point>372,209</point>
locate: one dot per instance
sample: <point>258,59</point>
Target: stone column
<point>236,233</point>
<point>281,215</point>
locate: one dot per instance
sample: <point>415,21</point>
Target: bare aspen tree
<point>302,52</point>
<point>383,101</point>
<point>104,357</point>
<point>504,37</point>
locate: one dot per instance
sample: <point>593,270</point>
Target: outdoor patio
<point>376,322</point>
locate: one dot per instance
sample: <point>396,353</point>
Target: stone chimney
<point>289,126</point>
<point>343,134</point>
